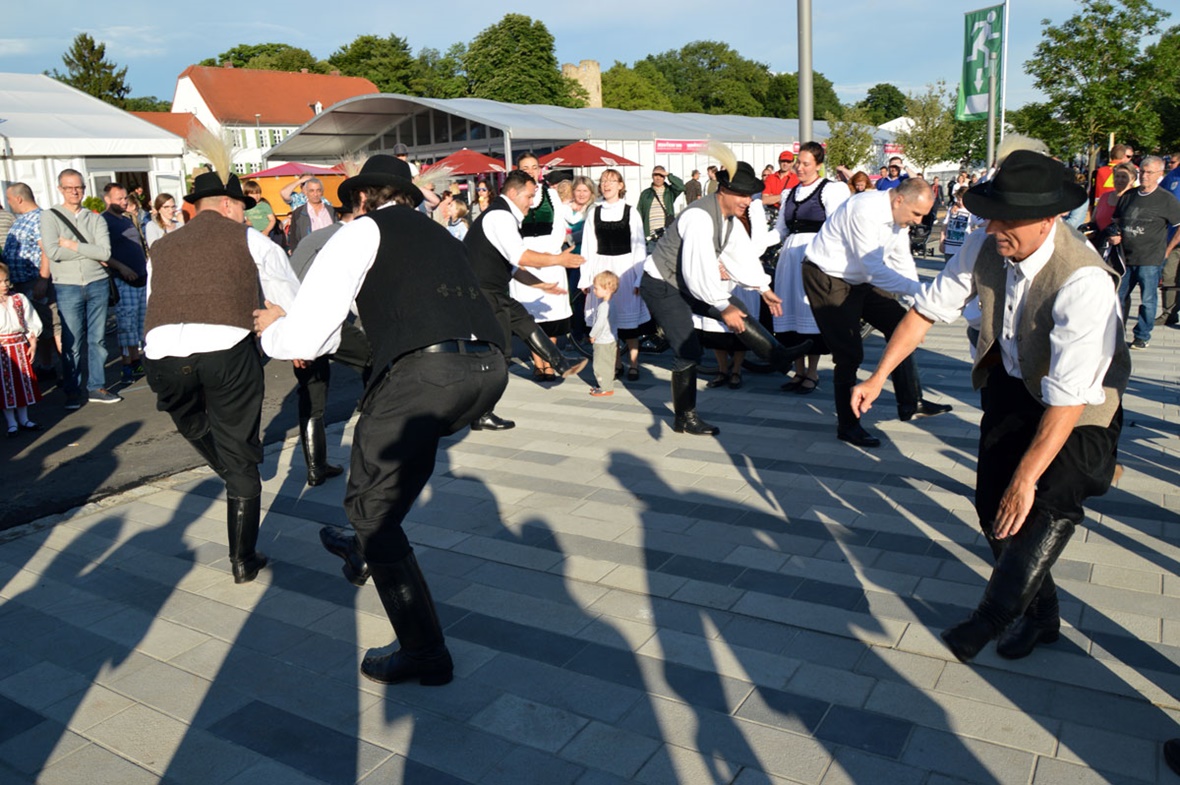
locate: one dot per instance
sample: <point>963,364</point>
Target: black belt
<point>458,346</point>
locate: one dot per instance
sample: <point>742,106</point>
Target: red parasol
<point>294,170</point>
<point>583,154</point>
<point>466,162</point>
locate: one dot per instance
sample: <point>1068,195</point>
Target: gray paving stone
<point>43,685</point>
<point>1051,771</point>
<point>967,759</point>
<point>609,749</point>
<point>557,687</point>
<point>851,767</point>
<point>528,722</point>
<point>523,764</point>
<point>1109,751</point>
<point>96,766</point>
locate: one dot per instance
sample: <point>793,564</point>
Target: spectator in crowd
<point>129,263</point>
<point>315,214</point>
<point>29,273</point>
<point>165,219</point>
<point>1104,177</point>
<point>692,187</point>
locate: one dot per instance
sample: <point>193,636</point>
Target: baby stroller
<point>920,235</point>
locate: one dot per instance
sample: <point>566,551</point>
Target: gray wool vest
<point>1070,253</point>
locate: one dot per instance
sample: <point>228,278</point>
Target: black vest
<point>491,268</point>
<point>614,237</point>
<point>539,220</point>
<point>420,290</point>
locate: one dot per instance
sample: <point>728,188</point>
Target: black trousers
<point>672,309</point>
<point>1083,468</point>
<point>514,318</point>
<point>312,390</point>
<point>218,392</point>
<point>420,399</point>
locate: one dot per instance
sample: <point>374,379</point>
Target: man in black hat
<point>683,277</point>
<point>203,364</point>
<point>439,359</point>
<point>858,262</point>
<point>1051,366</point>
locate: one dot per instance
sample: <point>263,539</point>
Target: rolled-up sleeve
<point>948,294</point>
<point>699,263</point>
<point>1085,335</point>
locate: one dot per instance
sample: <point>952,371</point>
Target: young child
<point>457,218</point>
<point>19,328</point>
<point>604,334</point>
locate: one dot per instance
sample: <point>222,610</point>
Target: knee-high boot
<point>422,652</point>
<point>244,515</point>
<point>762,342</point>
<point>1019,573</point>
<point>207,449</point>
<point>684,404</point>
<point>1041,623</point>
<point>315,452</point>
<point>564,366</point>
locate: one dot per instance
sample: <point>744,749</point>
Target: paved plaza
<point>624,604</point>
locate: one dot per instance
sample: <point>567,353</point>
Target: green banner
<point>984,36</point>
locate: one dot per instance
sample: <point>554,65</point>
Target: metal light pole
<point>806,104</point>
<point>991,111</point>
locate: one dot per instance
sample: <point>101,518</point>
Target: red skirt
<point>18,381</point>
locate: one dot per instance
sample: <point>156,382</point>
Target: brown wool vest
<point>1070,254</point>
<point>203,274</point>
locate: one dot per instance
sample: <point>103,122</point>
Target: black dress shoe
<point>490,422</point>
<point>1172,754</point>
<point>924,409</point>
<point>720,380</point>
<point>31,426</point>
<point>432,669</point>
<point>857,435</point>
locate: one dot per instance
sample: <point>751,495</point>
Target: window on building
<point>260,139</point>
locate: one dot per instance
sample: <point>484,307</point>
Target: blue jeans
<point>1148,279</point>
<point>83,312</point>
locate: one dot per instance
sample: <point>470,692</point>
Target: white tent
<point>47,126</point>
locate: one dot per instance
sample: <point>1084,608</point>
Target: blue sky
<point>857,43</point>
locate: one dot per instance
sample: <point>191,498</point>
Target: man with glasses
<point>78,245</point>
<point>1142,220</point>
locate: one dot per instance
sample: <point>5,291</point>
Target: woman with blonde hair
<point>613,240</point>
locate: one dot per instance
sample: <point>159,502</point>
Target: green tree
<point>1164,59</point>
<point>386,62</point>
<point>1097,78</point>
<point>269,57</point>
<point>88,70</point>
<point>514,61</point>
<point>928,140</point>
<point>710,77</point>
<point>1040,121</point>
<point>627,88</point>
<point>883,103</point>
<point>147,103</point>
<point>850,139</point>
<point>782,96</point>
<point>969,142</point>
<point>440,75</point>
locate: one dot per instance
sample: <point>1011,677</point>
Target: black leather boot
<point>422,652</point>
<point>491,422</point>
<point>343,543</point>
<point>684,404</point>
<point>762,342</point>
<point>1041,623</point>
<point>544,348</point>
<point>207,449</point>
<point>315,452</point>
<point>244,515</point>
<point>1019,572</point>
<point>848,427</point>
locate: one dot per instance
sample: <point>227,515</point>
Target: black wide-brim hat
<point>209,184</point>
<point>381,170</point>
<point>742,182</point>
<point>1027,185</point>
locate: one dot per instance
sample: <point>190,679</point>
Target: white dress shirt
<point>700,266</point>
<point>1086,319</point>
<point>859,243</point>
<point>279,285</point>
<point>502,229</point>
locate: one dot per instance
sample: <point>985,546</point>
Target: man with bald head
<point>858,259</point>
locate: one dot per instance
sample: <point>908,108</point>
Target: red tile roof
<point>236,95</point>
<point>177,123</point>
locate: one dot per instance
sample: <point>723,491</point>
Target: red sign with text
<point>680,145</point>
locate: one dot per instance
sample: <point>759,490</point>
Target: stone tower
<point>588,74</point>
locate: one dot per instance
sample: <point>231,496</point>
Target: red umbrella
<point>470,162</point>
<point>583,154</point>
<point>294,170</point>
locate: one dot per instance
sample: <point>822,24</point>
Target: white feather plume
<point>353,163</point>
<point>433,176</point>
<point>217,150</point>
<point>725,157</point>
